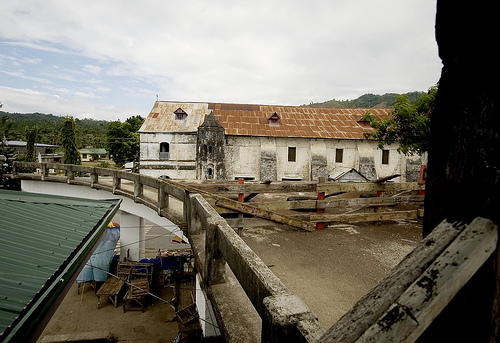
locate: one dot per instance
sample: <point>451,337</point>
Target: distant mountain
<point>90,132</point>
<point>366,101</point>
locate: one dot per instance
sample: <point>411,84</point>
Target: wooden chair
<point>139,283</point>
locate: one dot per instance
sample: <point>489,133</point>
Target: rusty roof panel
<point>252,120</point>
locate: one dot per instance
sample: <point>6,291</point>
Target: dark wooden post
<point>241,198</point>
<point>463,178</point>
<point>319,225</point>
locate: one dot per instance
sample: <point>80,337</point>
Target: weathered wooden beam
<point>251,187</point>
<point>376,302</point>
<point>285,205</point>
<point>248,222</point>
<point>368,187</point>
<point>294,187</point>
<point>364,217</point>
<point>377,201</point>
<point>255,211</point>
<point>387,178</point>
<point>416,308</point>
<point>313,204</point>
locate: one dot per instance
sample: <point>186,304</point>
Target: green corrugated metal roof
<point>96,151</point>
<point>43,241</point>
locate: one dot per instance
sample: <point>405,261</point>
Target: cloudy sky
<point>111,59</point>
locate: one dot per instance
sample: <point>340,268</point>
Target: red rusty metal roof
<point>253,120</point>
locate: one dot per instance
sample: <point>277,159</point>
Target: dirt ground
<point>78,313</point>
<point>330,270</point>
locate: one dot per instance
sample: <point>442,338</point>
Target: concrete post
<point>132,237</point>
<point>282,315</point>
<point>70,173</point>
<point>185,213</point>
<point>137,187</point>
<point>15,169</point>
<point>194,223</point>
<point>215,264</point>
<point>45,171</point>
<point>162,197</point>
<point>117,182</point>
<point>94,177</point>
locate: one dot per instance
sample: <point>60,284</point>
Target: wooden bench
<point>111,288</point>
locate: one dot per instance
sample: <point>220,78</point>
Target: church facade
<point>264,142</point>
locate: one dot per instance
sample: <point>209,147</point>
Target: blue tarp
<point>98,265</point>
<point>169,262</point>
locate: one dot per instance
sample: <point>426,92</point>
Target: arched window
<point>164,151</point>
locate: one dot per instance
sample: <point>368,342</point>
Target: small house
<point>93,154</point>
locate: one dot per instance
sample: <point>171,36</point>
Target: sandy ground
<point>331,270</point>
<point>79,313</point>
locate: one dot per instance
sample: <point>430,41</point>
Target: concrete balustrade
<point>285,317</point>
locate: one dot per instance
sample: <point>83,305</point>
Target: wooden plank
<point>387,178</point>
<point>294,187</point>
<point>249,222</point>
<point>364,217</point>
<point>251,187</point>
<point>422,302</point>
<point>344,202</point>
<point>255,211</point>
<point>285,205</point>
<point>369,187</point>
<point>376,302</point>
<point>377,201</point>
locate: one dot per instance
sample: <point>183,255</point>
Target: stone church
<point>265,142</point>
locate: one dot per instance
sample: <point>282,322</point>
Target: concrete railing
<point>94,177</point>
<point>285,317</point>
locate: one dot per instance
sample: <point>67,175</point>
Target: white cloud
<point>92,69</point>
<point>276,52</point>
<point>20,75</point>
<point>65,103</point>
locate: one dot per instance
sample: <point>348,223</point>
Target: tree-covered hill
<point>90,132</point>
<point>369,100</point>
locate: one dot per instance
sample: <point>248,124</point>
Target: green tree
<point>67,138</point>
<point>7,155</point>
<point>123,140</point>
<point>408,124</point>
<point>31,135</point>
<point>5,135</point>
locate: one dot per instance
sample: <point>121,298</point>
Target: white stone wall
<point>181,163</point>
<point>243,157</point>
<point>267,157</point>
